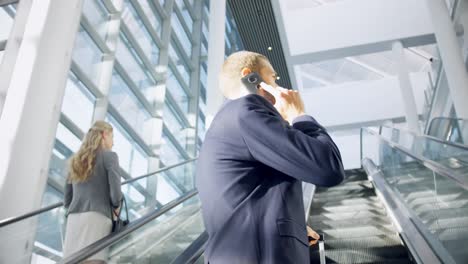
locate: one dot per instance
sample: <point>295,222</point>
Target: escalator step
<point>363,242</point>
<point>344,223</point>
<point>347,208</point>
<point>338,195</point>
<point>357,232</point>
<point>348,186</point>
<point>346,215</point>
<point>352,201</point>
<point>396,254</point>
<point>438,224</point>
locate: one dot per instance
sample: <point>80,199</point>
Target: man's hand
<point>289,104</point>
<point>311,233</point>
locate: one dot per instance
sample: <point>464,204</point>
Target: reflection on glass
<point>140,32</point>
<point>77,96</point>
<point>97,15</point>
<point>181,34</point>
<point>177,91</point>
<point>87,55</point>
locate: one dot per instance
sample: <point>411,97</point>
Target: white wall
<point>358,102</point>
<point>350,23</point>
<point>349,145</point>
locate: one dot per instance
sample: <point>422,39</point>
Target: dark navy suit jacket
<point>249,176</point>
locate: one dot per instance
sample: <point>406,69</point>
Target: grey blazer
<point>100,191</point>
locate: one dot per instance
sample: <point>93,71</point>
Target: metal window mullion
<point>180,16</point>
<point>174,184</point>
<point>147,23</point>
<point>70,125</point>
<point>130,130</point>
<point>94,35</point>
<point>185,57</point>
<point>191,10</point>
<point>179,78</point>
<point>132,86</point>
<point>161,9</point>
<point>110,6</point>
<point>76,69</point>
<point>176,143</point>
<point>195,84</point>
<point>170,99</point>
<point>141,54</point>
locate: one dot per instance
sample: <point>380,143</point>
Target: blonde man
<point>258,150</point>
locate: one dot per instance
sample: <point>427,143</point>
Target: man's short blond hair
<point>230,75</point>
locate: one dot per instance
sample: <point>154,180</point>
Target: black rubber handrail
<point>15,219</point>
<point>109,240</point>
<point>193,252</point>
<point>450,143</point>
<point>430,164</point>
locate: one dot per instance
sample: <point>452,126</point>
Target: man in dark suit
<point>257,151</point>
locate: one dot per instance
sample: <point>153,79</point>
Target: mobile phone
<point>252,81</point>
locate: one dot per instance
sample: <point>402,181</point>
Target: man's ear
<point>245,71</point>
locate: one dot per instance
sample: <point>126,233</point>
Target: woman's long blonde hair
<point>82,163</point>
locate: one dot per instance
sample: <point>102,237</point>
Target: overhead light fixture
<point>277,77</point>
<point>270,48</point>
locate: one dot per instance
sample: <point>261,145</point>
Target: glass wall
<point>7,15</point>
<point>122,68</point>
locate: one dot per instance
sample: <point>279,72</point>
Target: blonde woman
<point>93,187</point>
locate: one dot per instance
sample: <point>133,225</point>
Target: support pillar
<point>409,103</point>
<point>31,113</point>
<point>451,55</point>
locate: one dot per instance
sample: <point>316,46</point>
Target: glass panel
<point>6,20</point>
<point>175,124</point>
<point>97,15</point>
<point>134,67</point>
<point>201,125</point>
<point>181,34</point>
<point>185,14</point>
<point>180,63</point>
<point>46,231</point>
<point>163,239</point>
<point>78,97</point>
<point>128,105</point>
<point>176,90</point>
<point>169,152</point>
<point>152,14</point>
<point>438,205</point>
<point>140,32</point>
<point>87,55</point>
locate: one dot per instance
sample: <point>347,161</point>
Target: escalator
<point>355,224</point>
<point>409,204</point>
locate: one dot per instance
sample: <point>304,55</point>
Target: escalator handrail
<point>430,164</point>
<point>193,252</point>
<point>443,118</point>
<point>15,219</point>
<point>450,143</point>
<point>112,238</point>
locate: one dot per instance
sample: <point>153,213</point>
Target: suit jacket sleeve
<point>304,151</point>
<point>111,163</point>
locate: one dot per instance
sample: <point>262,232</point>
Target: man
<point>258,150</point>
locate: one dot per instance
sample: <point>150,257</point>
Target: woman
<point>93,187</point>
